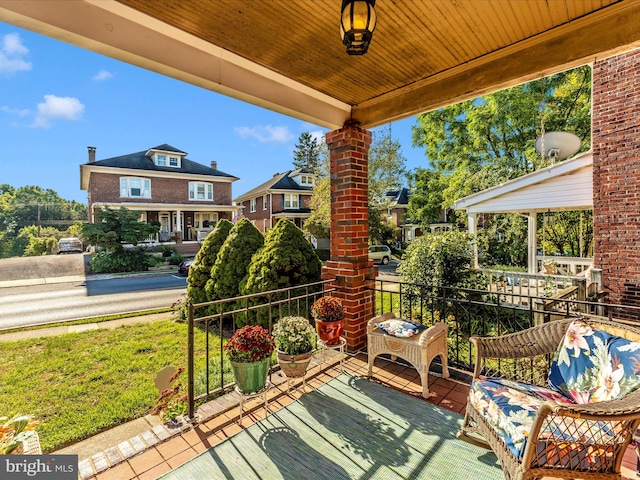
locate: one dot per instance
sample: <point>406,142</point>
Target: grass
<point>79,384</point>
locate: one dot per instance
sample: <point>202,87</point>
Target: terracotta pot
<point>294,366</point>
<point>251,377</point>
<point>329,332</point>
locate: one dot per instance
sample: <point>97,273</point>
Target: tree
<point>200,269</point>
<point>481,143</point>
<point>32,205</point>
<point>318,223</point>
<point>232,263</point>
<point>286,260</point>
<point>115,228</point>
<point>426,200</point>
<point>308,152</point>
<point>386,166</point>
<point>569,233</point>
<point>438,259</point>
<point>386,173</point>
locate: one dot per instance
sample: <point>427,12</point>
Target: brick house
<point>286,195</point>
<point>184,197</point>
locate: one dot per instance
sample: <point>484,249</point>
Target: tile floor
<point>162,457</point>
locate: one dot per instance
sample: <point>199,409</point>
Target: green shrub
<point>286,260</point>
<point>200,269</point>
<point>117,262</point>
<point>176,259</point>
<point>232,263</point>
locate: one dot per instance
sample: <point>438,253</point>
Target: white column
<point>178,221</point>
<point>473,230</point>
<point>532,246</point>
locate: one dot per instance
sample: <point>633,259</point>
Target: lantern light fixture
<point>357,23</point>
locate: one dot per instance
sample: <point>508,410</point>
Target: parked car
<point>183,268</point>
<point>380,253</point>
<point>69,245</point>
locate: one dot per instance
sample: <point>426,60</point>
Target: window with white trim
<point>174,162</point>
<point>291,200</point>
<point>264,202</point>
<point>201,191</point>
<point>161,160</point>
<point>252,205</point>
<point>264,225</point>
<point>134,187</point>
<point>306,180</point>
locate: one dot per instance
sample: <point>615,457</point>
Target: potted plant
<point>249,351</point>
<point>295,340</point>
<point>18,435</point>
<point>328,313</point>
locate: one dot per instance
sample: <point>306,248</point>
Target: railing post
<point>190,362</point>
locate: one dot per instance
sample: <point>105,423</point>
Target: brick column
<point>616,175</point>
<point>349,266</point>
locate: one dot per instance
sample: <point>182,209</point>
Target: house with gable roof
<point>184,197</point>
<point>285,195</point>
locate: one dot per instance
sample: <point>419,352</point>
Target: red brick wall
<point>105,187</point>
<point>259,215</point>
<point>349,267</point>
<point>616,175</point>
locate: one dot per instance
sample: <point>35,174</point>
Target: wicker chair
<point>419,350</point>
<point>557,428</point>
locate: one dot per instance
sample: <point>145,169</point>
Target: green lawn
<point>79,384</point>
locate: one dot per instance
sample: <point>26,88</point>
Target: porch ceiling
<point>287,55</point>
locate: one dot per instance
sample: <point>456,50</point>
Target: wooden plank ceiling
<point>287,55</point>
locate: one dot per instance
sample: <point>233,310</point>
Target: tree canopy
<point>117,227</point>
<point>32,219</point>
<point>481,143</point>
<point>308,152</point>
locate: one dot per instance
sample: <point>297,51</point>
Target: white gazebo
<point>565,186</point>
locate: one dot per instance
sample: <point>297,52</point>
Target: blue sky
<point>56,99</point>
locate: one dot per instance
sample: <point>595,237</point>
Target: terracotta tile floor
<point>155,461</point>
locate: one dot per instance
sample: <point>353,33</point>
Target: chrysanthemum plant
<point>249,344</point>
<point>327,309</point>
<point>294,335</point>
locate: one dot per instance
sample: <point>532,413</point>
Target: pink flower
<point>608,385</point>
<point>575,338</point>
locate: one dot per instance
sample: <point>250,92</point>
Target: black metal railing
<point>481,312</point>
<point>218,320</point>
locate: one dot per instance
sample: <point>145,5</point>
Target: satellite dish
<point>558,145</point>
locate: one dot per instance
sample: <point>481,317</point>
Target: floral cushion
<point>510,408</point>
<point>400,328</point>
<point>592,365</point>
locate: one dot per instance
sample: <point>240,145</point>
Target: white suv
<point>380,253</point>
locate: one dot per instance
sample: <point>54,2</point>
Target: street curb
<point>27,282</point>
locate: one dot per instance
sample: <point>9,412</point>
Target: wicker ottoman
<point>418,350</point>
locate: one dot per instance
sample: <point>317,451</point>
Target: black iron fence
<point>467,311</point>
<point>482,312</point>
<point>208,370</point>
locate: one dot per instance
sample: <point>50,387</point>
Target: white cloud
<point>21,113</point>
<point>319,136</point>
<point>266,133</point>
<point>102,75</point>
<point>12,52</point>
<point>53,108</point>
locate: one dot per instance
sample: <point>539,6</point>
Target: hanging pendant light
<point>357,23</point>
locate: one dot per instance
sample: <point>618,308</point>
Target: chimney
<point>92,154</point>
<point>214,164</point>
